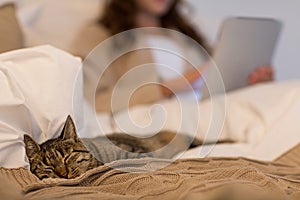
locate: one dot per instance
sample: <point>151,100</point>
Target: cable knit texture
<point>148,178</point>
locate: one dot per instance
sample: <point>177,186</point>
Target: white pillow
<point>38,87</point>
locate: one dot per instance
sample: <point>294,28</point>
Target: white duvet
<point>262,120</point>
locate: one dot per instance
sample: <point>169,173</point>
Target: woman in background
<point>119,16</point>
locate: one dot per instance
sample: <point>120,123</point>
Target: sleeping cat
<point>68,156</point>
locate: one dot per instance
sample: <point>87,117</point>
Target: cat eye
<point>74,153</point>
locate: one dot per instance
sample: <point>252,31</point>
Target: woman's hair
<point>119,16</point>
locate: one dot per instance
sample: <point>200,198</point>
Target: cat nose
<point>62,171</point>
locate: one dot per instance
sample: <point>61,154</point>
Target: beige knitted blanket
<point>208,178</point>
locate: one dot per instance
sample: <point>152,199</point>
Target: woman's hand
<point>261,74</point>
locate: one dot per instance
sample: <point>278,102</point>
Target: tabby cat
<point>68,156</point>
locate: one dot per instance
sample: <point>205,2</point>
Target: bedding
<point>36,96</point>
<point>264,118</point>
<point>261,120</point>
<point>208,178</point>
<point>39,87</point>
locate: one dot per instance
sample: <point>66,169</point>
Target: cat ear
<point>69,130</point>
<point>31,146</point>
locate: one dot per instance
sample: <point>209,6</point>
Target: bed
<point>41,85</point>
<point>209,178</point>
<point>29,104</point>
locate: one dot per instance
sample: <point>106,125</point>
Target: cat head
<point>63,157</point>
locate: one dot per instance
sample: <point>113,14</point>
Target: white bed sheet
<point>262,120</point>
<point>272,129</point>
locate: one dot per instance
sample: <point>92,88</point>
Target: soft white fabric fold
<point>38,88</point>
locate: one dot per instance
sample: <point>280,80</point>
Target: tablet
<point>243,45</point>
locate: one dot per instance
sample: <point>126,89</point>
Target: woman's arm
<point>182,83</point>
